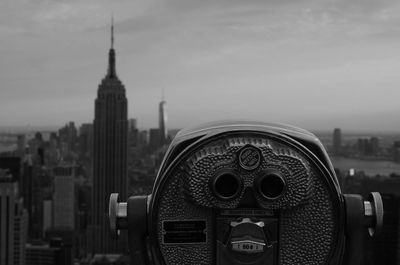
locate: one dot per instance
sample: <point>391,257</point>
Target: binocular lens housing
<point>271,186</point>
<point>226,185</point>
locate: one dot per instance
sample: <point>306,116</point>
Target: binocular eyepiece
<point>246,193</point>
<point>228,185</point>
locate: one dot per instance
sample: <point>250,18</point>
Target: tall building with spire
<point>162,120</point>
<point>110,136</point>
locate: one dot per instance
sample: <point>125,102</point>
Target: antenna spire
<point>111,54</point>
<point>112,31</point>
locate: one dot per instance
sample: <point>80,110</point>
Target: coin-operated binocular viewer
<point>246,193</point>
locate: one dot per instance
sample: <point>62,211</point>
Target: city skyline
<point>84,115</point>
<point>313,64</point>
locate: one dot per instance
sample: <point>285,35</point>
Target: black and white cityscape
<point>55,180</point>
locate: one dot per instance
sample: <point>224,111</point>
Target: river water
<point>371,168</point>
<point>7,148</point>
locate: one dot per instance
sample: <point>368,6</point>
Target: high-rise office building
<point>64,197</point>
<point>143,137</point>
<point>86,139</point>
<point>54,252</point>
<point>40,255</point>
<point>20,232</point>
<point>132,124</point>
<point>133,132</point>
<point>368,146</point>
<point>82,214</point>
<point>162,121</point>
<point>110,133</point>
<point>68,135</point>
<point>337,141</point>
<point>13,165</point>
<point>13,222</point>
<point>155,138</point>
<point>396,151</point>
<point>21,143</point>
<point>374,142</point>
<point>26,185</point>
<point>47,215</point>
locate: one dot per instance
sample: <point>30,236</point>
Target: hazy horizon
<point>313,64</point>
<point>53,128</point>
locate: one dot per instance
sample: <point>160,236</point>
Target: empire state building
<point>110,133</point>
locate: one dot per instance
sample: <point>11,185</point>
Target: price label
<point>248,246</point>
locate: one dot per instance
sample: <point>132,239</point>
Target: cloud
<point>26,16</point>
<point>56,51</point>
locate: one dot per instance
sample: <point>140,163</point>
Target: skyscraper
<point>110,132</point>
<point>21,143</point>
<point>133,132</point>
<point>47,215</point>
<point>13,222</point>
<point>155,138</point>
<point>86,139</point>
<point>337,141</point>
<point>162,121</point>
<point>64,197</point>
<point>13,165</point>
<point>132,124</point>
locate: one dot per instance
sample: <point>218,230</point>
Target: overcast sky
<point>315,64</point>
